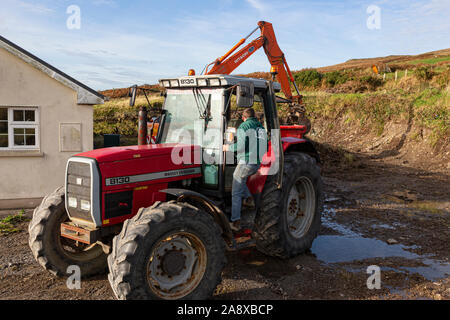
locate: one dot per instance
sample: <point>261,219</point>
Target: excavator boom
<point>228,63</point>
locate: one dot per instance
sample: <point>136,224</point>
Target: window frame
<point>22,125</point>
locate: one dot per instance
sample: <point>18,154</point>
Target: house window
<point>19,128</point>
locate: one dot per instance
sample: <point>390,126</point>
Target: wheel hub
<point>173,262</point>
<point>176,265</point>
<point>293,207</point>
<point>301,206</point>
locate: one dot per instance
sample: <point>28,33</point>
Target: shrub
<point>371,81</point>
<point>443,79</point>
<point>335,77</point>
<point>424,73</point>
<point>308,77</point>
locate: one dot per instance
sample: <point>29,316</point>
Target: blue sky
<point>125,42</point>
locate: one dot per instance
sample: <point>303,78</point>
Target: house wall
<point>25,175</point>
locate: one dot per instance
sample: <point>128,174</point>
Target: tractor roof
<point>215,80</point>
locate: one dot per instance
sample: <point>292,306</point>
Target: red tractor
<point>158,214</point>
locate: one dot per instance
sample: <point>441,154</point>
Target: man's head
<point>248,113</point>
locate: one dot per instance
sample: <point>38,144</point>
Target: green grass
<point>400,74</point>
<point>430,60</point>
<point>9,224</point>
<point>432,109</point>
<point>117,117</point>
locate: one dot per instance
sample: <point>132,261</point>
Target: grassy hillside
<point>399,61</point>
<point>358,97</point>
<point>349,94</point>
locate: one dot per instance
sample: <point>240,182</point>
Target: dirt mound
<point>402,142</point>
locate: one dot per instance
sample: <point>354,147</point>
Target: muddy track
<point>373,202</point>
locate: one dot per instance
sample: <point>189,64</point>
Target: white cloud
<point>258,5</point>
<point>35,8</point>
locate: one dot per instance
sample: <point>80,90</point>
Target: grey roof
<point>226,79</point>
<point>85,95</point>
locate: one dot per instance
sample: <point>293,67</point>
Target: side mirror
<point>132,95</point>
<point>245,94</point>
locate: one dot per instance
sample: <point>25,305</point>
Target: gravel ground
<point>377,212</point>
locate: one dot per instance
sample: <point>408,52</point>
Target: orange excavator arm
<point>228,63</point>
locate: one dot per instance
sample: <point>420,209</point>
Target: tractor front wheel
<point>55,253</point>
<point>169,251</point>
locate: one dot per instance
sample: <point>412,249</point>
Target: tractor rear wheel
<point>171,250</point>
<point>289,218</point>
<point>55,253</point>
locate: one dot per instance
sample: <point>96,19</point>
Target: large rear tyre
<point>289,218</point>
<point>55,253</point>
<point>169,251</point>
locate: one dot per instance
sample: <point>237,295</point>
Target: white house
<point>45,117</point>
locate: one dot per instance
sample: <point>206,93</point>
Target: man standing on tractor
<point>249,141</point>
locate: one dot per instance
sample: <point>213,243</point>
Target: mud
<point>379,211</point>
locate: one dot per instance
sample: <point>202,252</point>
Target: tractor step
<point>242,240</point>
<point>70,231</point>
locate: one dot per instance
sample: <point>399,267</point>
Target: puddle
<point>433,271</point>
<point>351,246</point>
<point>332,249</point>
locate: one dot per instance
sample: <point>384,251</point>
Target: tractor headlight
<point>202,82</point>
<point>73,203</point>
<point>85,205</point>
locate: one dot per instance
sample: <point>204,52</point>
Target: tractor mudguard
<point>303,145</point>
<point>256,182</point>
<point>198,199</point>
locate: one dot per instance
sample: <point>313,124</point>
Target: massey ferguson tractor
<point>157,215</point>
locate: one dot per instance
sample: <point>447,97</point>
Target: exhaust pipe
<point>142,126</point>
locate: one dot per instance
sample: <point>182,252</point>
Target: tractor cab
<point>206,111</point>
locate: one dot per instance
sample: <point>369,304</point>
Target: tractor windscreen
<point>193,116</point>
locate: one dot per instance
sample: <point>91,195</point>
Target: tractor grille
<point>79,188</point>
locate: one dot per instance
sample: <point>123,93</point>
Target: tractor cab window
<point>234,115</point>
<point>193,116</point>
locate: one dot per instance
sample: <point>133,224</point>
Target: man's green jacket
<point>251,142</point>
